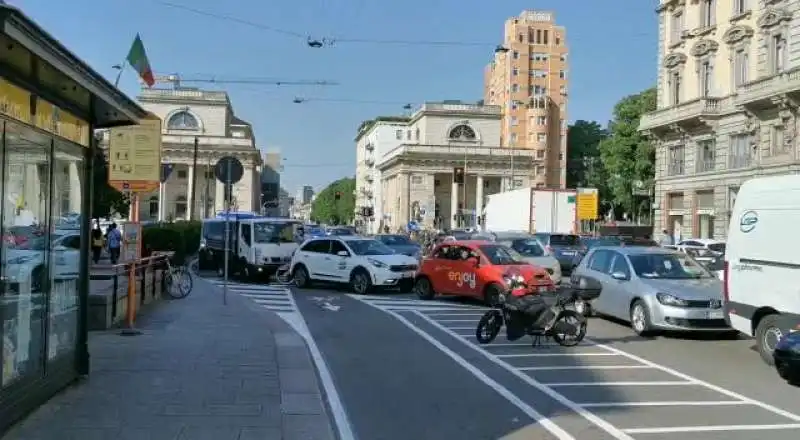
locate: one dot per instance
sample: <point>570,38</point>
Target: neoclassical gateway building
<point>411,168</point>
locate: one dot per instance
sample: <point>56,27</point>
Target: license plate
<point>716,314</point>
<point>408,275</point>
<point>570,253</point>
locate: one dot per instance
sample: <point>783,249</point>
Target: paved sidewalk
<point>200,371</point>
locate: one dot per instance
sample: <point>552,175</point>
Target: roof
<point>637,250</point>
<point>468,243</point>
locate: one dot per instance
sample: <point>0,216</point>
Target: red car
<point>476,269</point>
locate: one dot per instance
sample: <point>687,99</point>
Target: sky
<point>612,53</point>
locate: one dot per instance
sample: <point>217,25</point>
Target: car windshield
<point>369,247</point>
<point>667,266</point>
<point>340,231</point>
<point>602,241</point>
<point>528,248</point>
<point>314,231</point>
<point>717,247</point>
<point>564,240</point>
<point>461,235</point>
<point>393,240</point>
<point>270,232</point>
<point>501,255</point>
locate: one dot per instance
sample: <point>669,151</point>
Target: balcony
<point>689,114</point>
<point>763,92</point>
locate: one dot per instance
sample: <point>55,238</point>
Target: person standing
<point>666,239</point>
<point>114,242</point>
<point>97,243</point>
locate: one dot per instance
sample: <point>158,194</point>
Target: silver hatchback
<point>655,289</point>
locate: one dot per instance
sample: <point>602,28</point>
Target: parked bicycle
<point>177,278</point>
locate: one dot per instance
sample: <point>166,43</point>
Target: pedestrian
<point>666,238</point>
<point>97,243</point>
<point>114,242</point>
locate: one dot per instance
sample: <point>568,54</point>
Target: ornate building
<point>206,118</point>
<point>406,166</point>
<point>728,94</point>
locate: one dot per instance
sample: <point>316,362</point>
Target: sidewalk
<point>200,371</point>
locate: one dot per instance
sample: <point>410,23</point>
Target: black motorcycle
<point>557,320</point>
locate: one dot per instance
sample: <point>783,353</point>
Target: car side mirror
<point>343,254</point>
<point>587,288</point>
<point>476,261</point>
<point>620,276</point>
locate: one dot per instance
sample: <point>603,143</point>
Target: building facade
<point>270,198</point>
<point>728,94</point>
<point>416,178</point>
<point>528,78</point>
<point>205,118</point>
<point>50,103</point>
<point>305,194</point>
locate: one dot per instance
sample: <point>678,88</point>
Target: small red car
<point>476,269</point>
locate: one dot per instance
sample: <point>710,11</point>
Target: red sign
<point>136,187</point>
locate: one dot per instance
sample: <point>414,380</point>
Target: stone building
<point>207,118</point>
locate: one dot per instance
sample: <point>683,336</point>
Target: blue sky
<point>613,50</point>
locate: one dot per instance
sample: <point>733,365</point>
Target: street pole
<point>227,231</point>
<point>464,197</point>
<point>194,179</point>
<point>205,199</point>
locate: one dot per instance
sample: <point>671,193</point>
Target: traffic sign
<point>134,155</point>
<point>229,170</point>
<point>587,203</point>
<point>133,186</point>
<point>166,171</point>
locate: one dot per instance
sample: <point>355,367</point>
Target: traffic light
<point>458,175</point>
<point>337,195</point>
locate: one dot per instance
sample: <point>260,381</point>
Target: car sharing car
<point>476,269</point>
<point>363,263</point>
<point>655,289</point>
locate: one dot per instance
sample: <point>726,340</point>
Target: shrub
<point>182,237</point>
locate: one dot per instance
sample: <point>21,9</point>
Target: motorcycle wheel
<point>571,318</point>
<point>489,326</point>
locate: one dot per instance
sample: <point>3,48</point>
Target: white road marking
<point>642,383</point>
<point>269,296</point>
<point>665,403</point>
<point>545,422</point>
<point>525,355</point>
<point>676,429</point>
<point>585,367</point>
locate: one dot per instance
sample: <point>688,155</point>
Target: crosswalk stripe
<point>275,298</point>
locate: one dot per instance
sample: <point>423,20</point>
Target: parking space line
<point>679,403</point>
<point>525,355</point>
<point>456,320</point>
<point>584,367</point>
<point>663,383</point>
<point>683,429</point>
<point>763,405</point>
<point>457,313</point>
<point>542,387</point>
<point>539,418</point>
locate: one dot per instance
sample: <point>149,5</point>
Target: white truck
<point>532,210</point>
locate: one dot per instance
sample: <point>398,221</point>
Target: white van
<point>762,261</point>
<point>258,245</point>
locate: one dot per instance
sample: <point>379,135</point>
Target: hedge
<point>181,237</point>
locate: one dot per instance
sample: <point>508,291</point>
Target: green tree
<point>106,200</point>
<point>326,209</point>
<point>626,154</point>
<point>583,154</point>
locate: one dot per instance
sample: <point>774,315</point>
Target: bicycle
<point>177,279</point>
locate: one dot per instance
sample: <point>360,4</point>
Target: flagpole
<point>119,74</point>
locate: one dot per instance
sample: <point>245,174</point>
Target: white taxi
<point>363,263</point>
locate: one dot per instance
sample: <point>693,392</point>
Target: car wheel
<point>491,296</point>
<point>406,286</point>
<point>640,319</point>
<point>360,282</point>
<point>423,288</point>
<point>300,276</point>
<point>767,336</point>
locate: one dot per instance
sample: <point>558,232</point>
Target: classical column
<point>162,201</point>
<point>219,197</point>
<point>189,193</point>
<point>31,191</point>
<point>405,198</point>
<point>478,197</point>
<point>75,188</point>
<point>453,204</point>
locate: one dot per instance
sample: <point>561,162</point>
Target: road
<point>403,368</point>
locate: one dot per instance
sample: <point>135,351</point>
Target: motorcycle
<point>566,326</point>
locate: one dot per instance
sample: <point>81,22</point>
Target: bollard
<point>130,316</point>
<point>143,282</point>
<point>114,295</point>
<point>153,268</point>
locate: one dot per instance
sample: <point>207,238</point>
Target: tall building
<point>271,184</point>
<point>528,79</point>
<point>305,194</point>
<point>728,94</point>
<point>206,119</point>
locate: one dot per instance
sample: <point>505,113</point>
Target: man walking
<point>114,240</point>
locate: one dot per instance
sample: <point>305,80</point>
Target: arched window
<point>180,207</point>
<point>153,206</point>
<point>462,133</point>
<point>183,120</point>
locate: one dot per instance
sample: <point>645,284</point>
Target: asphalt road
<point>404,368</point>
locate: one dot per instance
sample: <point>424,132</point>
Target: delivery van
<point>761,273</point>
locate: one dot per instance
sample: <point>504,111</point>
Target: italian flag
<point>137,57</point>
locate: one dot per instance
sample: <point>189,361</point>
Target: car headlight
<point>671,300</point>
<point>19,260</point>
<point>376,263</point>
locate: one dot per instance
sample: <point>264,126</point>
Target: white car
<point>363,263</point>
<point>24,265</point>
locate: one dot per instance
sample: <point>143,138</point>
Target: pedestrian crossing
<point>273,297</point>
<point>400,304</point>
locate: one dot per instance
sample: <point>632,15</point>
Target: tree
<point>626,154</point>
<point>327,209</point>
<point>106,200</point>
<point>583,155</point>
